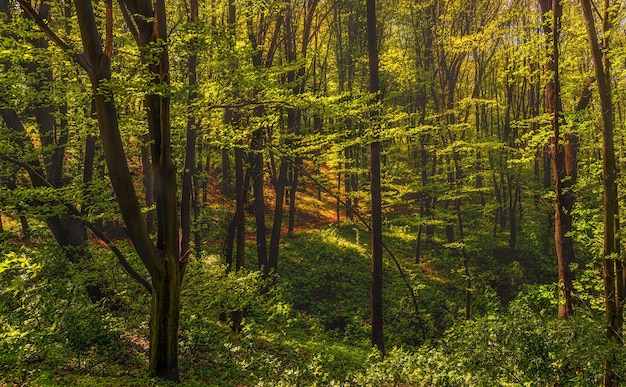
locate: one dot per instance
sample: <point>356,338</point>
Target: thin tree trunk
<point>187,195</point>
<point>259,194</point>
<point>292,194</point>
<point>613,286</point>
<point>272,262</point>
<point>376,291</point>
<point>240,203</point>
<point>562,214</point>
<point>226,179</point>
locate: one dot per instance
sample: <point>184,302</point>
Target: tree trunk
<point>348,164</point>
<point>164,320</point>
<point>148,184</point>
<point>272,262</point>
<point>292,194</point>
<point>612,263</point>
<point>376,291</point>
<point>259,194</point>
<point>161,260</point>
<point>187,195</point>
<point>562,213</point>
<point>226,179</point>
<point>240,203</point>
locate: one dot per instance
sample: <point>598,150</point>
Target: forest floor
<point>315,207</point>
<point>311,329</point>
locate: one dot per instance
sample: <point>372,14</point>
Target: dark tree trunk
<point>226,179</point>
<point>292,194</point>
<point>240,204</point>
<point>272,262</point>
<point>148,184</point>
<point>564,198</point>
<point>348,178</point>
<point>187,195</point>
<point>512,188</point>
<point>613,282</point>
<point>259,194</point>
<point>375,188</point>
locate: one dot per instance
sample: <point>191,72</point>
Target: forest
<point>312,192</point>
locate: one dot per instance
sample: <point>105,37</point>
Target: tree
<point>375,189</point>
<point>43,156</point>
<point>562,175</point>
<point>188,195</point>
<point>162,258</point>
<point>613,263</point>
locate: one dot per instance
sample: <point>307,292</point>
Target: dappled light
<point>312,193</point>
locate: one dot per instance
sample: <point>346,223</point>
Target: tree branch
<point>129,20</point>
<point>43,26</point>
<point>585,96</point>
<point>74,212</point>
<point>249,103</point>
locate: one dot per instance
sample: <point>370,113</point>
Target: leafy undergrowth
<point>312,328</point>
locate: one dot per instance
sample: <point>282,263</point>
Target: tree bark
<point>259,194</point>
<point>148,184</point>
<point>272,262</point>
<point>376,291</point>
<point>162,259</point>
<point>613,264</point>
<point>240,204</point>
<point>564,199</point>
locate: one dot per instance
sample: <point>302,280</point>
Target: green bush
<point>518,347</point>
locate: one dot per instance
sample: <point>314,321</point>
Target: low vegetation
<point>311,328</point>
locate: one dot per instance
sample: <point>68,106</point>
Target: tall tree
<point>562,187</point>
<point>188,196</point>
<point>162,258</point>
<point>376,291</point>
<point>613,264</point>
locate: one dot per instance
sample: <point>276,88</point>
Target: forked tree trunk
<point>297,77</point>
<point>257,146</point>
<point>161,260</point>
